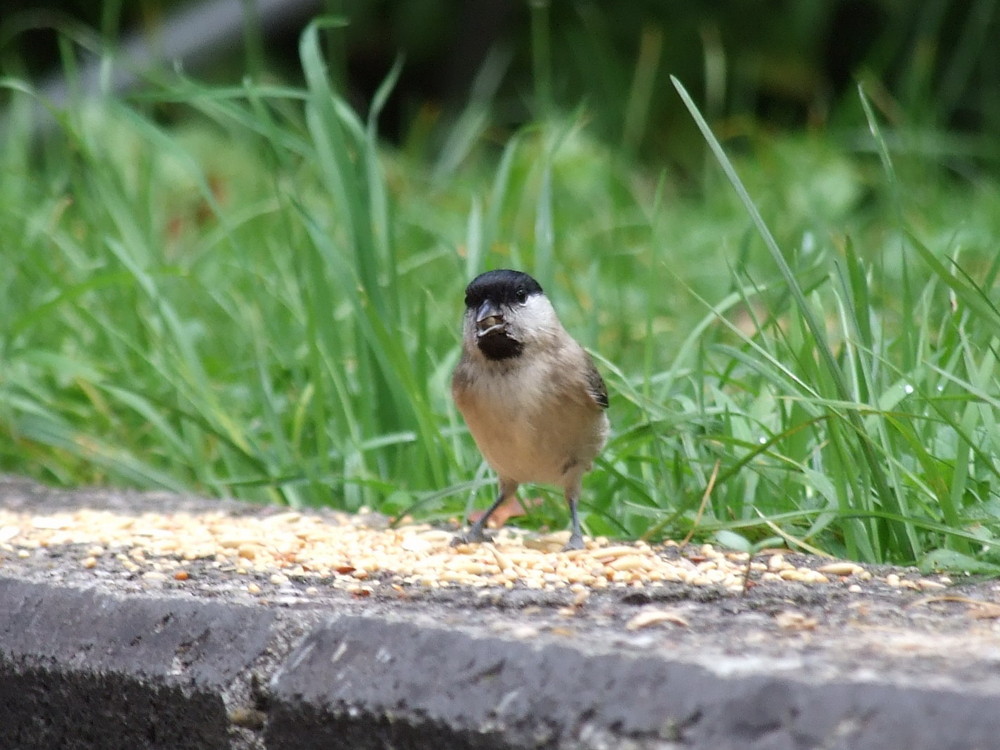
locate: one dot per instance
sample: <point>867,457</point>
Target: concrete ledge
<point>367,683</point>
<point>84,669</point>
<point>92,662</point>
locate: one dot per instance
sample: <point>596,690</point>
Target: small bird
<point>531,396</point>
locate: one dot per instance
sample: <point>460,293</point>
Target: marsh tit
<point>531,396</point>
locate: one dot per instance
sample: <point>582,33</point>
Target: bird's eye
<point>521,295</point>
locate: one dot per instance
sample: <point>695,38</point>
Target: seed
<point>713,576</point>
<point>656,617</point>
<point>287,517</point>
<point>795,621</point>
<point>51,523</point>
<point>841,569</point>
<point>415,544</point>
<point>545,544</point>
<point>630,562</point>
<point>610,553</point>
<point>454,576</point>
<point>469,566</point>
<point>502,560</point>
<point>235,542</point>
<point>9,532</point>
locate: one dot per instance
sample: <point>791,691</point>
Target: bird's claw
<point>472,536</point>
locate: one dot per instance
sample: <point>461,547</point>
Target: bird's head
<point>506,311</point>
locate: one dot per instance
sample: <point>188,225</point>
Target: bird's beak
<point>489,318</point>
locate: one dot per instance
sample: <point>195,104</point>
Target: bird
<point>531,396</point>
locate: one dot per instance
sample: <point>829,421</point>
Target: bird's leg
<point>476,532</point>
<point>575,537</point>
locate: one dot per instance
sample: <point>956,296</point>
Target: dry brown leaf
<point>510,508</point>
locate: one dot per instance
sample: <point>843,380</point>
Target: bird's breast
<point>528,427</point>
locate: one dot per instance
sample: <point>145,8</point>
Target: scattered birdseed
<point>356,557</point>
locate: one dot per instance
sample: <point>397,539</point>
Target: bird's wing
<point>596,388</point>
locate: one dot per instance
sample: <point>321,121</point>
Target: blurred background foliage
<point>754,64</point>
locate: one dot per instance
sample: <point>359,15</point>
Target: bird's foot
<point>575,542</point>
<point>474,535</point>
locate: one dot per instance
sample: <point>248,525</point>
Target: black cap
<point>502,286</point>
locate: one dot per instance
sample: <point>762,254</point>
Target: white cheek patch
<point>536,314</point>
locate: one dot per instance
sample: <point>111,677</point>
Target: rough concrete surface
<point>93,658</point>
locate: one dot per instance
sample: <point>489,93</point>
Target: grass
<point>261,300</point>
